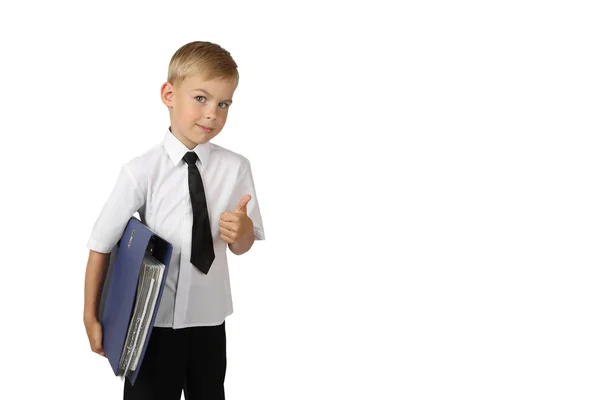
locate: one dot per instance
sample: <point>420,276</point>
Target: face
<point>198,108</point>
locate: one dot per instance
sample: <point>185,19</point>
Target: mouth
<point>206,129</point>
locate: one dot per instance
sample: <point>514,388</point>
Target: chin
<point>203,139</point>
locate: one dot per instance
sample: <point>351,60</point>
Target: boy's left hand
<point>234,226</point>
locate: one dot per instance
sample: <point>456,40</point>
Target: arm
<point>95,274</point>
<point>127,197</point>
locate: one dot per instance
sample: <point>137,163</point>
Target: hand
<point>94,333</point>
<point>234,226</point>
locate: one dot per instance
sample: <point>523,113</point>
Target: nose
<point>210,113</point>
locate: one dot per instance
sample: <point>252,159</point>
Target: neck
<point>187,143</point>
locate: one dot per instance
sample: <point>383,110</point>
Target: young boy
<point>201,198</point>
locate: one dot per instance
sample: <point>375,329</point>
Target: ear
<point>166,94</point>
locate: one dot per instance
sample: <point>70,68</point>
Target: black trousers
<point>189,359</point>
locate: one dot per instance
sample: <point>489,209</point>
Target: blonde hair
<point>205,58</point>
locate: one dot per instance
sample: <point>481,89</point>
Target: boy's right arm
<point>126,198</point>
<point>95,274</point>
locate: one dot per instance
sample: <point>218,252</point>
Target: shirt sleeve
<point>245,185</point>
<point>125,199</point>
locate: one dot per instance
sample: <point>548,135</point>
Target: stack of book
<point>145,302</point>
<point>131,295</point>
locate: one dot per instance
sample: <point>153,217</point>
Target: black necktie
<point>203,252</point>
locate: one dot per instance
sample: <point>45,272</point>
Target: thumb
<point>97,344</point>
<point>97,340</point>
<point>242,204</point>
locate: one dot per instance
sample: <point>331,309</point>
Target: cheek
<point>223,117</point>
<point>195,113</point>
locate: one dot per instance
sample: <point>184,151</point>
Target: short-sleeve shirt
<point>155,184</point>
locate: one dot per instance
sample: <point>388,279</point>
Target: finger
<point>97,339</point>
<point>243,203</point>
<point>97,347</point>
<point>232,226</point>
<point>227,239</point>
<point>229,217</point>
<point>228,234</point>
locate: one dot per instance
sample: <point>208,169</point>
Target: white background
<point>427,175</point>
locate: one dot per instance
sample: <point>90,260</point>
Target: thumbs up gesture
<point>236,227</point>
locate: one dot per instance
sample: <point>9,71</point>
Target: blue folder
<point>120,288</point>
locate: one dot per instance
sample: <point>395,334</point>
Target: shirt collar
<point>176,150</point>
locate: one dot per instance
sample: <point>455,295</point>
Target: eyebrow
<point>202,90</point>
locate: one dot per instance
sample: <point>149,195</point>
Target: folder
<point>131,295</point>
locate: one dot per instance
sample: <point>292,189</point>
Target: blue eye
<point>203,99</point>
<point>223,105</point>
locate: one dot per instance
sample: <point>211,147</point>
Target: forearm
<point>242,245</point>
<point>95,274</point>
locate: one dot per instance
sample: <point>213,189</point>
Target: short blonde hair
<point>205,58</point>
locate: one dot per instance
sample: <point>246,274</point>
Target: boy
<point>201,198</point>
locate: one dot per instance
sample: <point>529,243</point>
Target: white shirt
<point>156,185</point>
